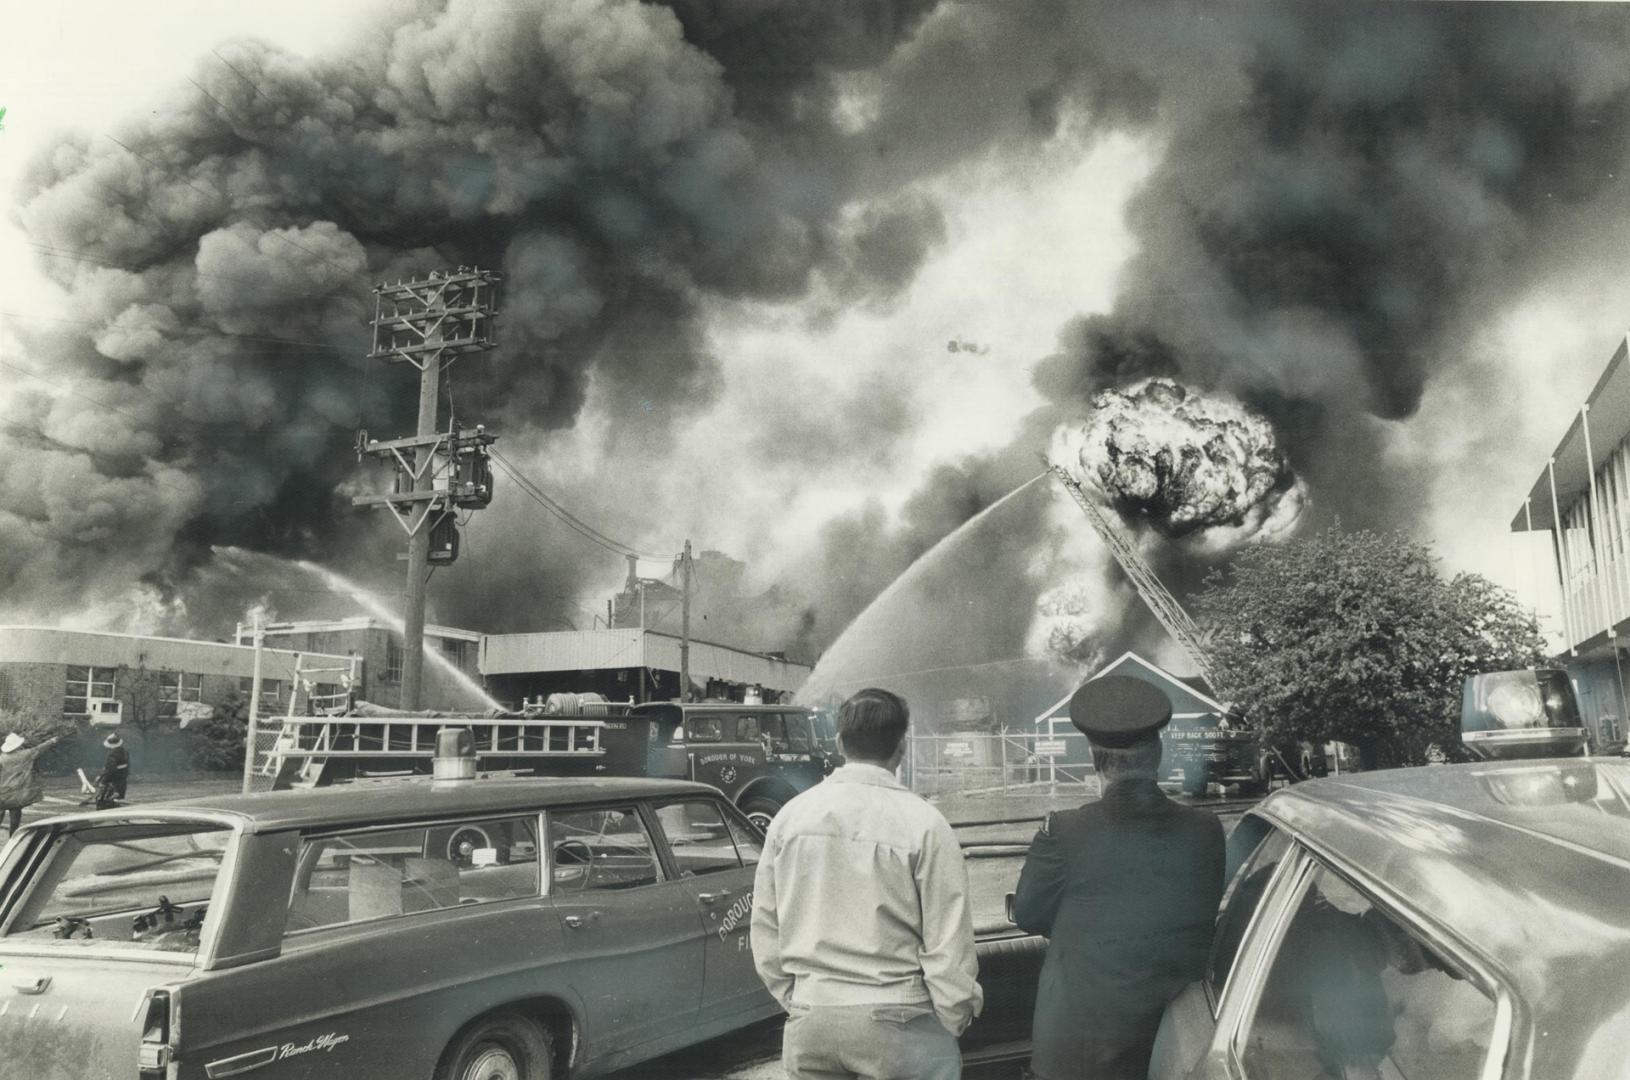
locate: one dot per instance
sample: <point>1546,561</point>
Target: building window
<point>271,692</point>
<point>453,649</point>
<point>175,687</point>
<point>393,660</point>
<point>83,684</point>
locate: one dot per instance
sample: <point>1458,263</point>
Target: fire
<point>1190,463</point>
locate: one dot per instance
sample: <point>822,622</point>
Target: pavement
<point>995,827</point>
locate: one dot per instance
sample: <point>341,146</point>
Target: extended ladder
<point>1165,607</point>
<point>308,748</point>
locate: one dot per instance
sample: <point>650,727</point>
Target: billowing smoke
<point>1344,198</point>
<point>1185,462</point>
<point>621,163</point>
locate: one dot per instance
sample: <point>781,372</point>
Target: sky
<point>819,411</point>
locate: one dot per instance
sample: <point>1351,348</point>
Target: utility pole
<point>684,626</point>
<point>429,324</point>
<point>251,734</point>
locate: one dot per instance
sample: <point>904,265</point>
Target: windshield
<point>788,732</point>
<point>145,885</point>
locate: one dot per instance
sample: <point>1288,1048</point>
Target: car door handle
<point>713,897</point>
<point>577,922</point>
<point>38,986</point>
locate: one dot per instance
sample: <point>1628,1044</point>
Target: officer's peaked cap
<point>1116,711</point>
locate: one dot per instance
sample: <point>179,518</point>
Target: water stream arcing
<point>372,604</point>
<point>953,624</point>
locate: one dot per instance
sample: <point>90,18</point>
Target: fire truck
<point>758,755</point>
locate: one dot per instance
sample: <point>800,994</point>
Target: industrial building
<point>149,687</point>
<point>452,679</point>
<point>630,665</point>
<point>1582,499</point>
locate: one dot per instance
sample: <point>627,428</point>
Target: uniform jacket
<point>1126,889</point>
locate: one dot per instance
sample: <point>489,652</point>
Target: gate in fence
<point>971,763</point>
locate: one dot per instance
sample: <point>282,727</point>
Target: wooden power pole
<point>684,625</point>
<point>429,324</point>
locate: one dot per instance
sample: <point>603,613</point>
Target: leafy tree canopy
<point>1358,636</point>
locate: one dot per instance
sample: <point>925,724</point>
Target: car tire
<point>503,1046</point>
<point>760,810</point>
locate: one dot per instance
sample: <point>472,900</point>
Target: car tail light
<point>153,1056</point>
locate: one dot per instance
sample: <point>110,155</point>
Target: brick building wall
<point>48,678</point>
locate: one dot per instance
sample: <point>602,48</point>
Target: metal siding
<point>592,650</point>
<point>561,650</point>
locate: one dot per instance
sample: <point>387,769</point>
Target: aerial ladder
<point>1162,603</point>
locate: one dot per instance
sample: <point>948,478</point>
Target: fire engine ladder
<point>311,681</point>
<point>309,746</point>
<point>1165,607</point>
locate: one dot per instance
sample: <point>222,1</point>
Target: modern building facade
<point>1582,499</point>
<point>629,665</point>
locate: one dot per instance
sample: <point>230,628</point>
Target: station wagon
<point>1463,922</point>
<point>513,928</point>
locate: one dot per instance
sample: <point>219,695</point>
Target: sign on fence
<point>1050,748</point>
<point>957,749</point>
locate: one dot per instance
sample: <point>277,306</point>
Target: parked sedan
<point>1457,922</point>
<point>527,928</point>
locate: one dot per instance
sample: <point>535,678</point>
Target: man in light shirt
<point>861,927</point>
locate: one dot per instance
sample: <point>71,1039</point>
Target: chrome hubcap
<point>493,1063</point>
<point>761,819</point>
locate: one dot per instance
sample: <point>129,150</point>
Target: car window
<point>747,729</point>
<point>749,842</point>
<point>1352,992</point>
<point>380,873</point>
<point>600,848</point>
<point>145,886</point>
<point>698,836</point>
<point>1244,895</point>
<point>703,729</point>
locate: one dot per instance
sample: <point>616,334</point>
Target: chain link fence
<point>972,763</point>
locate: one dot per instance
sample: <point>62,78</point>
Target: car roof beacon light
<point>455,755</point>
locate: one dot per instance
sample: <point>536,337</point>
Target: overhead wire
<point>573,522</point>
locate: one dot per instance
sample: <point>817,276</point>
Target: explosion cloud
<point>1183,461</point>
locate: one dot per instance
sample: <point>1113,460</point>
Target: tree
<point>1358,637</point>
<point>140,690</point>
<point>218,741</point>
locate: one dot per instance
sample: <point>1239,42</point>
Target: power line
<point>573,522</point>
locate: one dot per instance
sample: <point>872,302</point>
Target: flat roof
<point>598,650</point>
<point>53,645</point>
<point>373,802</point>
<point>358,622</point>
<point>1608,407</point>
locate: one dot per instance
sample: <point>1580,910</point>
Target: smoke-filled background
<point>808,283</point>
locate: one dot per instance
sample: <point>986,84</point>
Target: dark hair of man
<point>1140,761</point>
<point>872,723</point>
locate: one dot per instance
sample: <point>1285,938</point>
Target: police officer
<point>1126,889</point>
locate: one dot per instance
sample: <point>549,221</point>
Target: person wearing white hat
<point>19,787</point>
<point>110,786</point>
